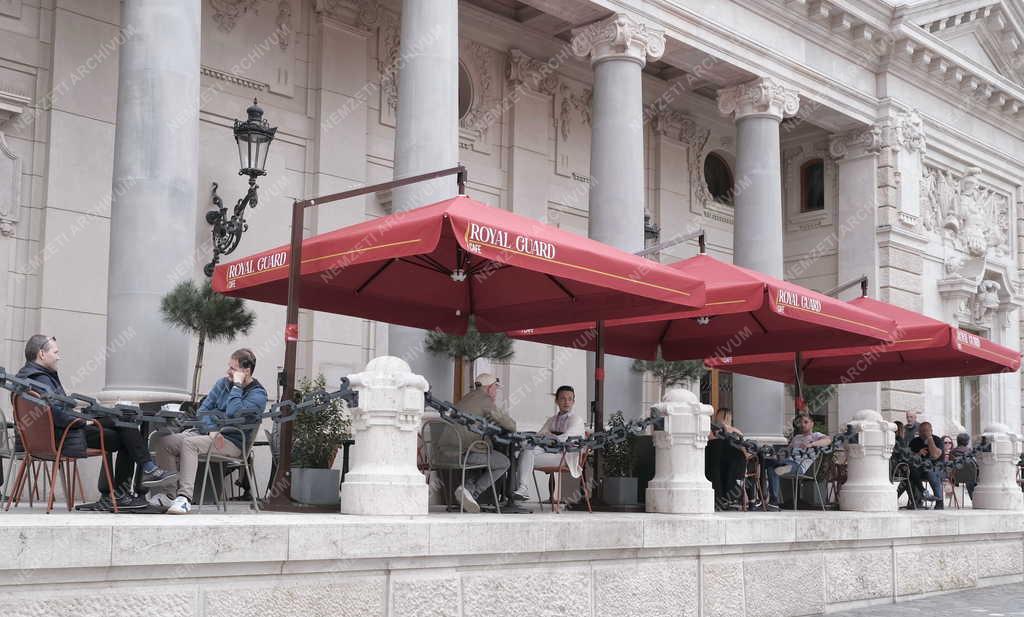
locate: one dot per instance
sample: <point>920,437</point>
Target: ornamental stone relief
<point>480,61</point>
<point>227,12</point>
<point>975,219</point>
<point>10,188</point>
<point>572,135</point>
<point>531,73</point>
<point>388,50</point>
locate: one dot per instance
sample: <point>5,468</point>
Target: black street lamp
<point>253,137</point>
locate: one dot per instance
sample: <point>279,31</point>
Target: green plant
<point>199,310</point>
<point>318,433</point>
<point>470,346</point>
<point>815,397</point>
<point>671,373</point>
<point>618,458</point>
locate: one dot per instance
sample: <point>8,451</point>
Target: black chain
<point>902,453</point>
<point>502,436</point>
<point>773,451</point>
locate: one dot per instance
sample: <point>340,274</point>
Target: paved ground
<point>1002,601</point>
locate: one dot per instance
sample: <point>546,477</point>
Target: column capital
<point>763,96</point>
<point>619,37</point>
<point>856,143</point>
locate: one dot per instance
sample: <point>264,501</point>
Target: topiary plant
<point>318,433</point>
<point>618,458</point>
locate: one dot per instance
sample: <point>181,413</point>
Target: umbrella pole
<point>599,379</point>
<point>798,382</point>
<point>279,495</point>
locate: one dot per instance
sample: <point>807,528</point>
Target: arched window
<point>812,186</point>
<point>718,177</point>
<point>465,91</point>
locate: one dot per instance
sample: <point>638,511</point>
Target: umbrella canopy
<point>746,313</point>
<point>434,266</point>
<point>924,348</point>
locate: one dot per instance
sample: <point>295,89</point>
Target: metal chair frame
<point>245,466</point>
<point>555,481</point>
<point>436,451</point>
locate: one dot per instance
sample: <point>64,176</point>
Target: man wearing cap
<point>480,402</point>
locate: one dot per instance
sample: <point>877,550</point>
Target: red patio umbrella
<point>434,266</point>
<point>924,348</point>
<point>746,312</point>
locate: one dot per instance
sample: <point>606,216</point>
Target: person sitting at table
<point>962,449</point>
<point>564,424</point>
<point>480,401</point>
<point>927,446</point>
<point>804,437</point>
<point>42,355</point>
<point>724,462</point>
<point>236,394</point>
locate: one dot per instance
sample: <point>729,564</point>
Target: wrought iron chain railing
<point>774,451</point>
<point>902,453</point>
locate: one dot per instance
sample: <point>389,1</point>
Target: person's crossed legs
<point>181,452</point>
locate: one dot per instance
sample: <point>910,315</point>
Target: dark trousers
<point>933,478</point>
<point>723,465</point>
<point>131,449</point>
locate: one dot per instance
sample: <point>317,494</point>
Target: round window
<point>465,92</point>
<point>719,179</point>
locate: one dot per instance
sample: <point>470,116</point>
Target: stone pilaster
<point>758,107</point>
<point>618,48</point>
<point>154,195</point>
<point>679,485</point>
<point>867,488</point>
<point>383,478</point>
<point>997,471</point>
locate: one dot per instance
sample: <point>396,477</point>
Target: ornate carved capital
<point>530,72</point>
<point>763,96</point>
<point>619,37</point>
<point>855,143</point>
<point>905,130</point>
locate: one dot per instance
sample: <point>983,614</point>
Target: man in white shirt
<point>562,425</point>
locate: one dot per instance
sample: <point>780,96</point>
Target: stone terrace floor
<point>1002,601</point>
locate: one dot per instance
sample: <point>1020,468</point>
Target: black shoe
<point>157,477</point>
<point>127,501</point>
<point>102,505</point>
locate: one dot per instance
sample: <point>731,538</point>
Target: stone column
<point>867,487</point>
<point>856,157</point>
<point>383,477</point>
<point>618,48</point>
<point>426,139</point>
<point>154,197</point>
<point>679,485</point>
<point>997,471</point>
<point>758,107</point>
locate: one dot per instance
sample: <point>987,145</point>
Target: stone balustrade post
<point>383,477</point>
<point>679,485</point>
<point>997,471</point>
<point>868,488</point>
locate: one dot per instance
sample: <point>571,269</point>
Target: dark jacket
<point>74,444</point>
<point>234,401</point>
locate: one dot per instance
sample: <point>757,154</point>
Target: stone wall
<point>575,563</point>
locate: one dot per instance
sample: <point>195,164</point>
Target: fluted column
<point>426,139</point>
<point>618,48</point>
<point>154,196</point>
<point>758,107</point>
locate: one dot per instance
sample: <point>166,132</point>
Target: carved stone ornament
<point>367,12</point>
<point>986,302</point>
<point>619,36</point>
<point>571,101</point>
<point>855,143</point>
<point>227,12</point>
<point>479,60</point>
<point>974,218</point>
<point>10,200</point>
<point>763,96</point>
<point>284,23</point>
<point>532,73</point>
<point>672,123</point>
<point>907,132</point>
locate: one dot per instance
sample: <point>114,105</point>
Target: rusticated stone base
<point>451,565</point>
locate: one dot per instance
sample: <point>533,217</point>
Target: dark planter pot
<point>316,487</point>
<point>620,491</point>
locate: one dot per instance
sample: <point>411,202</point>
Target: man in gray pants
<point>480,402</point>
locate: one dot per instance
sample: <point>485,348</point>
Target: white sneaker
<point>522,493</point>
<point>181,505</point>
<point>469,504</point>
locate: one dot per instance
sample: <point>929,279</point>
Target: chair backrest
<point>34,424</point>
<point>6,440</point>
<point>966,474</point>
<point>443,443</point>
<point>821,469</point>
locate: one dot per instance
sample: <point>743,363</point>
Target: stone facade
<point>738,564</point>
<point>914,113</point>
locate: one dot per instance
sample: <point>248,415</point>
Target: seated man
<point>928,446</point>
<point>480,402</point>
<point>963,448</point>
<point>236,394</point>
<point>804,437</point>
<point>41,358</point>
<point>562,425</point>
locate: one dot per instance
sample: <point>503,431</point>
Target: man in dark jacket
<point>42,355</point>
<point>235,395</point>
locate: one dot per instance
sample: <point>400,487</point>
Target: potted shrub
<point>620,486</point>
<point>317,436</point>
